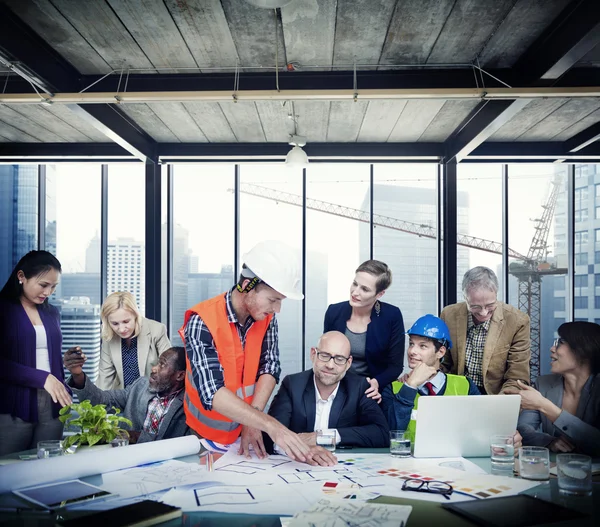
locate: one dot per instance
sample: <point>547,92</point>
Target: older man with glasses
<point>330,398</point>
<point>492,343</point>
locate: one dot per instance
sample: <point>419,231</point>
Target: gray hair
<point>480,278</point>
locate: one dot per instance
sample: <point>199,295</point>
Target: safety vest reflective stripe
<point>217,424</point>
<point>249,390</point>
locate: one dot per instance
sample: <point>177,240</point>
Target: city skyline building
<point>18,214</point>
<point>125,267</point>
<point>81,326</point>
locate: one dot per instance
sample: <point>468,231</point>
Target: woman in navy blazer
<point>375,329</point>
<point>32,386</point>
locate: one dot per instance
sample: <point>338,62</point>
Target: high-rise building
<point>202,286</point>
<point>81,284</point>
<point>412,259</point>
<point>126,269</point>
<point>81,326</point>
<point>586,296</point>
<point>181,267</point>
<point>18,214</point>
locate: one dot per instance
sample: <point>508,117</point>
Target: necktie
<point>430,389</point>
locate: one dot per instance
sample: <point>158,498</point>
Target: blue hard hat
<point>432,327</point>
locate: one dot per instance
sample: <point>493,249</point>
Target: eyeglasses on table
<point>433,487</point>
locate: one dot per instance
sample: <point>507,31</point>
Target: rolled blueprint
<point>82,464</point>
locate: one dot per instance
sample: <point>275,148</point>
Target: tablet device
<point>461,425</point>
<point>513,511</point>
<point>63,494</point>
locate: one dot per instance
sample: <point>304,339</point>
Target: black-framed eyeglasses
<point>340,360</point>
<point>434,487</point>
<point>557,342</point>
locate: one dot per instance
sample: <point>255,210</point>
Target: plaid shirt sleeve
<point>207,371</point>
<point>269,356</point>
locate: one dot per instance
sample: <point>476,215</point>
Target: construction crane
<point>528,269</point>
<point>529,273</point>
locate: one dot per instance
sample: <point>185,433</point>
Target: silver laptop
<point>462,425</point>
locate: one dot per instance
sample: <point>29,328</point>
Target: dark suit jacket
<point>358,419</point>
<point>385,339</point>
<point>582,429</point>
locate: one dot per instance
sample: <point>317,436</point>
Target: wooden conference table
<point>424,513</point>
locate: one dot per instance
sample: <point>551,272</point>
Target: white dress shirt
<point>322,411</point>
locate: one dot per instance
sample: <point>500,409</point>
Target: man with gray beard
<point>331,399</point>
<point>153,404</point>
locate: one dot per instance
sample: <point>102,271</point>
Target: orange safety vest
<point>240,367</point>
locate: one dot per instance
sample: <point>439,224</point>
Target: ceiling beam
<point>575,31</point>
<point>480,125</point>
<point>583,138</point>
<point>564,43</point>
<point>170,152</point>
<point>484,94</point>
<point>63,150</point>
<point>544,151</point>
<point>32,58</point>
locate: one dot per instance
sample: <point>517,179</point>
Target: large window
<point>203,237</point>
<point>337,236</point>
<point>587,242</point>
<point>18,215</point>
<point>479,216</point>
<point>271,209</point>
<point>538,229</point>
<point>73,235</point>
<point>331,223</point>
<point>405,235</point>
<point>126,269</point>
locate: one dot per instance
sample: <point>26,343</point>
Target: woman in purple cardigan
<point>32,388</point>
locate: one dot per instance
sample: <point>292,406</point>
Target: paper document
<point>341,513</point>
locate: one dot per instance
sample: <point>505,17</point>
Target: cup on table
<point>502,453</point>
<point>399,443</point>
<point>122,439</point>
<point>52,448</point>
<point>326,439</point>
<point>574,474</point>
<point>534,463</point>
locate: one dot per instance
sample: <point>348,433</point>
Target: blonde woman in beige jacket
<point>131,343</point>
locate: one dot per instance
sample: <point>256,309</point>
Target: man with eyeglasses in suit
<point>330,398</point>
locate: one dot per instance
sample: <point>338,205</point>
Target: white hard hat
<point>278,265</point>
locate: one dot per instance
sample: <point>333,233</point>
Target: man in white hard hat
<point>232,355</point>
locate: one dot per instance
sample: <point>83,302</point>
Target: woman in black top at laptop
<point>567,402</point>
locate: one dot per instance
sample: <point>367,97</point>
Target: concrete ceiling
<point>98,36</point>
<point>206,36</point>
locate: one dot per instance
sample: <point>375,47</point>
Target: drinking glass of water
<point>326,439</point>
<point>49,449</point>
<point>399,443</point>
<point>502,453</point>
<point>574,474</point>
<point>534,462</point>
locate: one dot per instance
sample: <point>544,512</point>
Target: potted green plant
<point>96,425</point>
